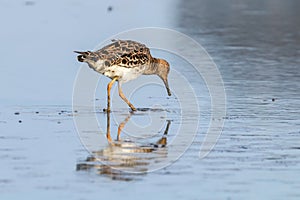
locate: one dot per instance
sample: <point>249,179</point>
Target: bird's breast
<point>125,74</point>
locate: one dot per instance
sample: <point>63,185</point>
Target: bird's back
<point>124,53</point>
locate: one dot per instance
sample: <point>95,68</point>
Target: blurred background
<point>38,38</point>
<point>256,46</point>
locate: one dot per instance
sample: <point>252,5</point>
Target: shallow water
<point>256,47</point>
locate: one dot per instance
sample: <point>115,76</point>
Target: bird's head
<point>163,69</point>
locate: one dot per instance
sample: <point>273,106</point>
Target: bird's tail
<point>83,55</point>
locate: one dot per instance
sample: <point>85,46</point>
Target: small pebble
<point>109,8</point>
<point>29,3</point>
<point>20,121</point>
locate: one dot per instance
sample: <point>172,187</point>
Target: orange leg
<point>108,92</point>
<point>121,126</point>
<point>108,128</point>
<point>124,98</point>
<point>163,140</point>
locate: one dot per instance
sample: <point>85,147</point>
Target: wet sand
<point>256,47</point>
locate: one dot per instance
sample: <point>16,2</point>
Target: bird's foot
<point>133,110</point>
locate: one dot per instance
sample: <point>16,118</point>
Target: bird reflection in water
<point>125,159</point>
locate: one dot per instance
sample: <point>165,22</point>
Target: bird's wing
<point>125,53</point>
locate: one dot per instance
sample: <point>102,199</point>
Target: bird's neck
<point>152,68</point>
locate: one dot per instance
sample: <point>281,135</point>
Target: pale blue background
<point>256,47</point>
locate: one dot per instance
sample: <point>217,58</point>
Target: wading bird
<point>125,60</point>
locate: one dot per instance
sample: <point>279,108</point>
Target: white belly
<point>124,74</point>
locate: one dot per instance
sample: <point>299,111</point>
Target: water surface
<point>256,47</point>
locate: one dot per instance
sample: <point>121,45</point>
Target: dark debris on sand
<point>29,3</point>
<point>109,8</point>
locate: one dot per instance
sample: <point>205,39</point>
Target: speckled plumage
<point>125,60</point>
<point>124,53</point>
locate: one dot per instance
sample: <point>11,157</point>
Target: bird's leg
<point>108,128</point>
<point>108,92</point>
<point>121,126</point>
<point>163,140</point>
<point>124,98</point>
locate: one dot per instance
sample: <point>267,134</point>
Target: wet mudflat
<point>256,47</point>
